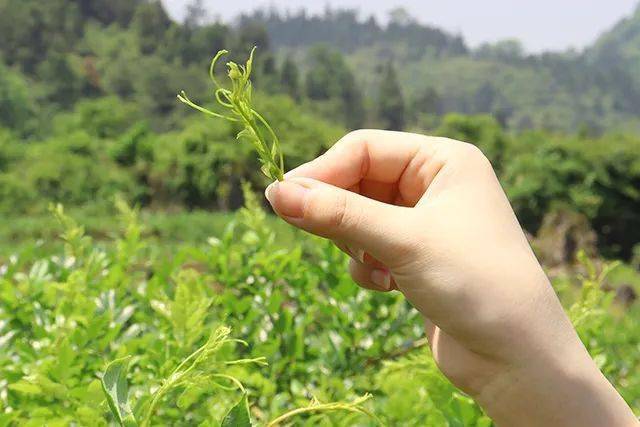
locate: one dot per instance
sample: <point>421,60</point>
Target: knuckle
<point>356,142</point>
<point>470,150</point>
<point>354,138</point>
<point>338,217</point>
<point>473,156</point>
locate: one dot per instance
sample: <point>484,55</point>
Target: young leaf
<point>114,385</point>
<point>238,101</point>
<point>239,415</point>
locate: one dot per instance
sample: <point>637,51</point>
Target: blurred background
<point>550,92</point>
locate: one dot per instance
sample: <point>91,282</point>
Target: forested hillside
<point>88,107</point>
<point>594,90</point>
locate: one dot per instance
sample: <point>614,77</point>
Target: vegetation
<point>166,320</point>
<point>597,89</point>
<point>185,310</point>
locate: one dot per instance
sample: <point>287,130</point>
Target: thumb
<point>380,229</point>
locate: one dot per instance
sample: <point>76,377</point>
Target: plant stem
<point>325,407</point>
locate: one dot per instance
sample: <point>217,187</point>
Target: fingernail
<point>269,191</point>
<point>381,278</point>
<point>287,198</point>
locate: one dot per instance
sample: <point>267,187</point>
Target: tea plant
<point>201,371</point>
<point>163,313</point>
<point>238,102</point>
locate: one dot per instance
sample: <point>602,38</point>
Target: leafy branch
<point>197,368</point>
<point>315,406</point>
<point>193,369</point>
<point>238,102</point>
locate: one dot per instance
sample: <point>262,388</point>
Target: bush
<point>71,170</point>
<point>17,104</point>
<point>543,172</point>
<point>68,315</point>
<point>107,117</point>
<point>598,178</point>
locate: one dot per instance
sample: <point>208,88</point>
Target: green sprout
<point>237,101</point>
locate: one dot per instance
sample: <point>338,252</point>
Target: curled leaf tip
<point>238,101</point>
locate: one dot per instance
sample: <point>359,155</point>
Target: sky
<point>541,25</point>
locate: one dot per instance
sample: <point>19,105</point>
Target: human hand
<point>427,216</point>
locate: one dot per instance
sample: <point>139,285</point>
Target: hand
<point>427,216</point>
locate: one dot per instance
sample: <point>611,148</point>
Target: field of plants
<point>278,332</point>
<point>144,282</point>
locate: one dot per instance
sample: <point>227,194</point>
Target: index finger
<point>406,159</point>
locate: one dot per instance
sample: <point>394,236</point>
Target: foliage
<point>332,85</point>
<point>597,89</point>
<point>66,314</point>
<point>96,301</point>
<point>391,102</point>
<point>16,104</point>
<point>344,29</point>
<point>88,48</point>
<point>104,147</point>
<point>290,78</point>
<point>604,329</point>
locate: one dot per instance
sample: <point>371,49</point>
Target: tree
<point>330,79</point>
<point>108,11</point>
<point>150,23</point>
<point>391,107</point>
<point>353,104</point>
<point>427,101</point>
<point>156,87</point>
<point>195,45</point>
<point>267,75</point>
<point>505,50</point>
<point>485,98</point>
<point>62,80</point>
<point>253,33</point>
<point>290,77</point>
<point>30,29</point>
<point>16,107</point>
<point>196,14</point>
<point>401,17</point>
<point>119,77</point>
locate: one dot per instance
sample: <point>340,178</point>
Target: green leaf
<point>114,385</point>
<point>25,387</point>
<point>238,416</point>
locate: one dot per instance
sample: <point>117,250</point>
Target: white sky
<point>539,24</point>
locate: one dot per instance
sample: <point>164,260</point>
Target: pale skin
<point>427,217</point>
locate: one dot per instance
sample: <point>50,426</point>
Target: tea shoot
<point>238,102</point>
<point>316,407</point>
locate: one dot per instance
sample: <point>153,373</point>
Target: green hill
<point>593,90</point>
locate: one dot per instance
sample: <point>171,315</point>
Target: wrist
<point>570,391</point>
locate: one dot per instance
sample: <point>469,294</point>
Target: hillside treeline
<point>88,110</point>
